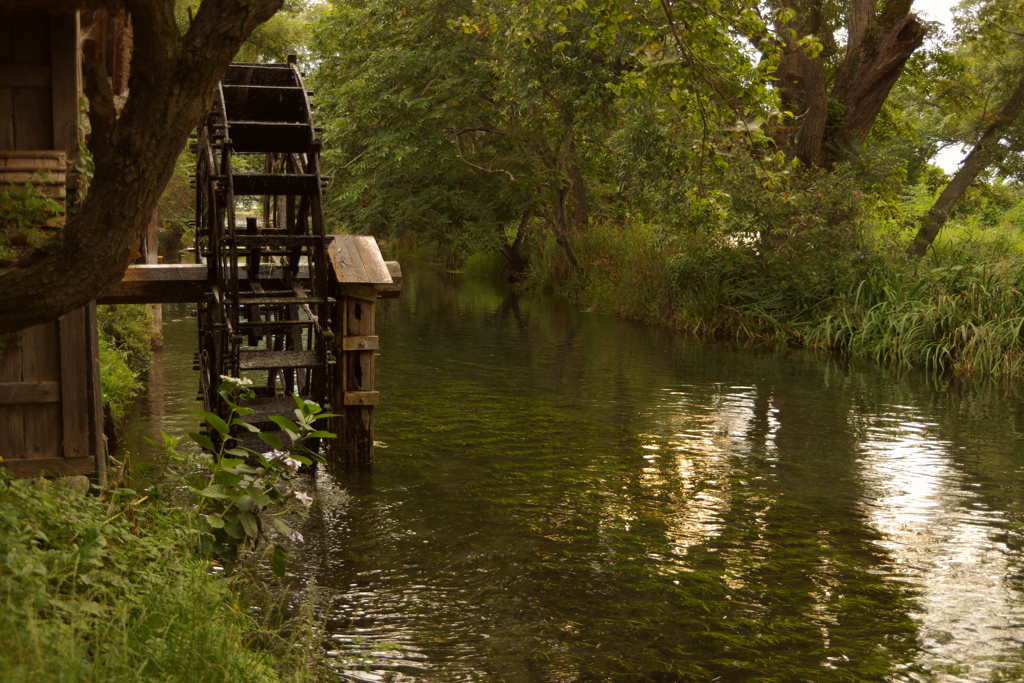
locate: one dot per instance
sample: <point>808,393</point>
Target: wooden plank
<point>360,343</point>
<point>357,259</point>
<point>39,391</point>
<point>33,118</point>
<point>40,177</point>
<point>42,362</point>
<point>344,258</point>
<point>395,271</point>
<point>364,292</point>
<point>33,159</point>
<point>362,398</point>
<point>172,283</point>
<point>265,407</point>
<point>265,360</point>
<point>6,117</point>
<point>394,290</point>
<point>64,56</point>
<point>25,76</point>
<point>12,416</point>
<point>373,262</point>
<point>54,467</point>
<point>74,384</point>
<point>97,441</point>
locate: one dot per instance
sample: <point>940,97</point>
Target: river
<point>562,497</point>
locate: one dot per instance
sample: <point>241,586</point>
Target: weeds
<point>27,219</point>
<point>961,309</point>
<point>110,590</point>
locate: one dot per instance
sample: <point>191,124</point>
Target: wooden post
<point>354,394</point>
<point>98,442</point>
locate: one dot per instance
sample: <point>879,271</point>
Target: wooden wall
<point>39,81</point>
<point>50,404</point>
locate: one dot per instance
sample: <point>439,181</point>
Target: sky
<point>939,10</point>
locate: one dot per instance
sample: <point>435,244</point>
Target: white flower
<point>237,381</point>
<point>283,458</point>
<point>296,536</point>
<point>302,498</point>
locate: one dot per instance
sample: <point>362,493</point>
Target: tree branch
<point>170,90</point>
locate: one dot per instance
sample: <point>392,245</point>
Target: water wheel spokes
<point>260,229</point>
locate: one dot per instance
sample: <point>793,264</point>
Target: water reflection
<point>940,532</point>
<point>566,497</point>
<point>171,388</point>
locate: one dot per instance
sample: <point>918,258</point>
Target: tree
<point>991,42</point>
<point>171,88</point>
<point>458,120</point>
<point>836,93</point>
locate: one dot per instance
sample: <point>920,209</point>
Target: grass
<point>111,590</point>
<point>960,309</point>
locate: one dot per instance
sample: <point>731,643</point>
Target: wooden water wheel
<point>260,231</point>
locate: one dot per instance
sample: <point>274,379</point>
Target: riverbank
<point>960,309</point>
<point>110,589</point>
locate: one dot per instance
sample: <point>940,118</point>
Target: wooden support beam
<point>360,343</point>
<point>30,392</point>
<point>97,440</point>
<point>74,376</point>
<point>362,398</point>
<point>54,467</point>
<point>354,396</point>
<point>169,283</point>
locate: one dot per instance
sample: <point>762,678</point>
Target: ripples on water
<point>569,498</point>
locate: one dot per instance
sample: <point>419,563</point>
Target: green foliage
<point>26,220</point>
<point>119,382</point>
<point>242,489</point>
<point>129,327</point>
<point>460,119</point>
<point>177,207</point>
<point>126,351</point>
<point>110,590</point>
<point>959,310</point>
<point>283,34</point>
<point>815,268</point>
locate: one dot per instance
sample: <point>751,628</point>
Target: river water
<point>561,497</point>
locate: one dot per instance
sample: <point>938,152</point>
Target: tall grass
<point>957,310</point>
<point>94,590</point>
<point>960,309</point>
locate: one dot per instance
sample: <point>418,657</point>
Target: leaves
<point>277,561</point>
<point>235,495</point>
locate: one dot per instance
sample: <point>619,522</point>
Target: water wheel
<point>260,230</point>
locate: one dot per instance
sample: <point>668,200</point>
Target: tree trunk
<point>802,87</point>
<point>513,252</point>
<point>878,47</point>
<point>871,69</point>
<point>559,226</point>
<point>171,88</point>
<point>985,151</point>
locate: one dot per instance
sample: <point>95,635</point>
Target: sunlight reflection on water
<point>940,534</point>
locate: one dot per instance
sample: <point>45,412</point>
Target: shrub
<point>92,590</point>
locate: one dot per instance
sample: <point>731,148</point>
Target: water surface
<point>564,497</point>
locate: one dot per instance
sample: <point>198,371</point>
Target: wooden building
<point>50,404</point>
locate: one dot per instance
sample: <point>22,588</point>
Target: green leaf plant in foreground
<point>239,491</point>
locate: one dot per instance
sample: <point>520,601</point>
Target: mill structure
<point>280,301</point>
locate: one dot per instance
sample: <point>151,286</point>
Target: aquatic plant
<point>241,489</point>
